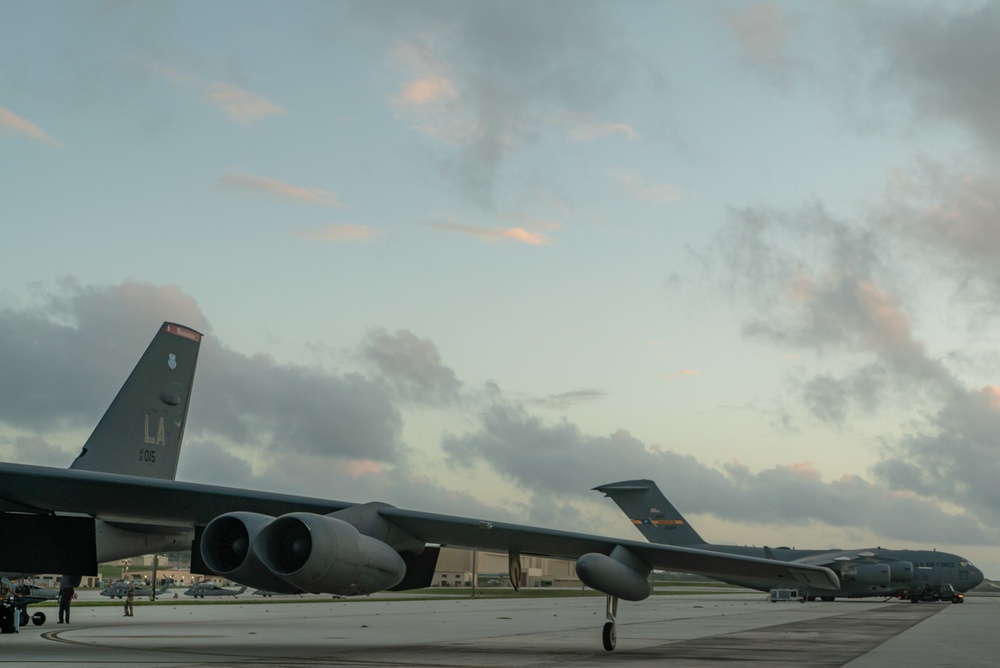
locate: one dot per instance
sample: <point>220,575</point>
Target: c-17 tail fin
<point>651,513</point>
<point>142,430</point>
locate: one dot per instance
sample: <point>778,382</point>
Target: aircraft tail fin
<point>141,432</point>
<point>651,513</point>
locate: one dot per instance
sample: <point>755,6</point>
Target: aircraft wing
<point>151,505</point>
<point>502,537</point>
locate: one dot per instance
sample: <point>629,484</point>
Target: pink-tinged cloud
<point>688,372</point>
<point>10,120</point>
<point>263,186</point>
<point>992,395</point>
<point>803,471</point>
<point>761,28</point>
<point>345,232</point>
<point>359,467</point>
<point>239,105</point>
<point>426,91</point>
<point>494,234</point>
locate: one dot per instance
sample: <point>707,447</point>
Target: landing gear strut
<point>610,635</point>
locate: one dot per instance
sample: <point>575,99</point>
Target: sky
<point>479,258</point>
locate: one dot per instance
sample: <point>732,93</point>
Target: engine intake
<point>322,554</point>
<point>227,549</point>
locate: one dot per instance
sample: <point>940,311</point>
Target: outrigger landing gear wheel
<point>610,636</point>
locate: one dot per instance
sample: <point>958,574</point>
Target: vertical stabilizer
<point>651,513</point>
<point>141,432</point>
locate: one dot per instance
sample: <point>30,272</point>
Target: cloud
<point>567,400</point>
<point>557,461</point>
<point>239,105</point>
<point>264,186</point>
<point>419,93</point>
<point>836,290</point>
<point>259,423</point>
<point>412,365</point>
<point>950,217</point>
<point>762,33</point>
<point>11,121</point>
<point>488,97</point>
<point>953,455</point>
<point>493,234</point>
<point>342,232</point>
<point>69,353</point>
<point>940,59</point>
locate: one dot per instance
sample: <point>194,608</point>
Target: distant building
<point>455,568</point>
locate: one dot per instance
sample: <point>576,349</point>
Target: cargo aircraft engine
<point>323,554</point>
<point>901,571</point>
<point>869,574</point>
<point>227,549</point>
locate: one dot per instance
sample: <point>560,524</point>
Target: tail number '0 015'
<point>146,455</point>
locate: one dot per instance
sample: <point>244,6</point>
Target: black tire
<point>826,598</point>
<point>609,636</point>
<point>38,618</point>
<point>24,616</point>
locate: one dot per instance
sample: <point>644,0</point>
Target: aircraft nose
<point>977,577</point>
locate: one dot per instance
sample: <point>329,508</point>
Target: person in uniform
<point>66,593</point>
<point>129,597</point>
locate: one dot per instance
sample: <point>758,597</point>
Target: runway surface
<point>729,629</point>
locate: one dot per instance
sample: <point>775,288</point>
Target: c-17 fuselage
<point>913,574</point>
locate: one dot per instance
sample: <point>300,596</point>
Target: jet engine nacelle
<point>322,554</point>
<point>621,574</point>
<point>870,574</point>
<point>227,549</point>
<point>901,571</point>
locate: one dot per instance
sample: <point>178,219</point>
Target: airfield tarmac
<point>729,628</point>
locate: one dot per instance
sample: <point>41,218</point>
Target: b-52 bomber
<point>917,575</point>
<point>119,499</point>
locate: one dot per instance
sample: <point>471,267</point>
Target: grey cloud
<point>955,455</point>
<point>566,400</point>
<point>558,462</point>
<point>813,294</point>
<point>560,59</point>
<point>270,407</point>
<point>949,216</point>
<point>943,59</point>
<point>831,399</point>
<point>68,353</point>
<point>412,366</point>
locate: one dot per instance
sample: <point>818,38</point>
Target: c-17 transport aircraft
<point>874,571</point>
<point>119,499</point>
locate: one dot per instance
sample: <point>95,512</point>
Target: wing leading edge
<point>499,536</point>
<point>130,499</point>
